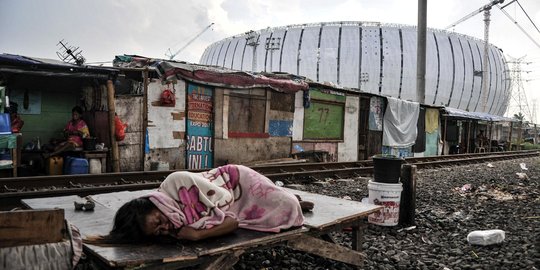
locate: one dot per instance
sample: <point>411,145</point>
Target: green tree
<point>519,116</point>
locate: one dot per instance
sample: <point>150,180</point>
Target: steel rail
<point>10,198</point>
<point>36,182</point>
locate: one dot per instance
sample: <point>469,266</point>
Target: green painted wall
<point>58,96</point>
<point>56,105</point>
<point>324,118</point>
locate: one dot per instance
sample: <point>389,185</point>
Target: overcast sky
<point>105,28</point>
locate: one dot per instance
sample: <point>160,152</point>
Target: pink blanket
<point>203,200</point>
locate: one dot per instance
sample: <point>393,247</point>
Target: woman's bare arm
<point>229,225</point>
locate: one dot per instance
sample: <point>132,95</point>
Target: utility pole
<point>485,59</point>
<point>252,40</point>
<point>272,44</point>
<point>421,53</point>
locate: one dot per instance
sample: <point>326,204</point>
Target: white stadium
<point>376,58</point>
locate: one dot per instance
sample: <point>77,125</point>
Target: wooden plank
<point>244,239</point>
<point>99,222</point>
<point>224,261</point>
<point>30,227</point>
<point>328,250</point>
<point>330,211</point>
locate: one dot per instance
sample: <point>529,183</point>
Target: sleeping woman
<point>195,206</point>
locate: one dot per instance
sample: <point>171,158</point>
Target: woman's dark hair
<point>129,221</point>
<point>77,109</point>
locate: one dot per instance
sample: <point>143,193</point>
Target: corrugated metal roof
<point>18,64</point>
<point>452,112</point>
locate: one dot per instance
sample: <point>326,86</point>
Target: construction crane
<point>486,9</point>
<point>172,55</point>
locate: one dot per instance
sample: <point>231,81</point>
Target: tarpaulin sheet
<point>229,78</point>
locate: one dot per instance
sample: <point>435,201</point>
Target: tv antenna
<point>70,54</point>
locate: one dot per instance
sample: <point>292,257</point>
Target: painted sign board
<point>323,121</point>
<point>325,115</point>
<point>199,148</point>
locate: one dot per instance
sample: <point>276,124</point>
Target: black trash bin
<point>387,168</point>
<point>89,144</point>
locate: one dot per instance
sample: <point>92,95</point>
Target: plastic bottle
<point>485,238</point>
<point>38,143</point>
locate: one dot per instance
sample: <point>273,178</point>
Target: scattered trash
<point>474,253</point>
<point>490,165</point>
<point>457,214</point>
<point>522,175</point>
<point>407,229</point>
<point>482,188</point>
<point>427,241</point>
<point>346,197</point>
<point>84,205</point>
<point>279,183</point>
<point>523,166</point>
<point>465,188</point>
<point>485,238</point>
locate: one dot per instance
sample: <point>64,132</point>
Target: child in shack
<point>195,206</point>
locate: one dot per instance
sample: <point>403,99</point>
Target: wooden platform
<point>328,215</point>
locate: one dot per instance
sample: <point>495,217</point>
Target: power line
<point>528,16</point>
<point>519,26</point>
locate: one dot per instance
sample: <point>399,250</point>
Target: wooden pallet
<point>330,214</point>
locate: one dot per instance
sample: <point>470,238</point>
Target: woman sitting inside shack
<point>75,131</point>
<point>195,206</point>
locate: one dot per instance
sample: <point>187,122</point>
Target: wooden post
<point>490,136</point>
<point>358,235</point>
<point>110,101</point>
<point>407,206</point>
<point>535,134</point>
<point>520,135</point>
<point>510,137</point>
<point>144,116</point>
<point>469,137</point>
<point>444,135</point>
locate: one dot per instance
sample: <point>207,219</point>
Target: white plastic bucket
<point>389,196</point>
<point>95,166</point>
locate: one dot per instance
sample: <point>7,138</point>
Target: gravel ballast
<point>451,203</point>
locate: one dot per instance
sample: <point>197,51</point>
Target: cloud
<point>105,28</point>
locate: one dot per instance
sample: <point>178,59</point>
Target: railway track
<point>12,190</point>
